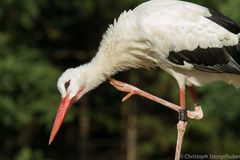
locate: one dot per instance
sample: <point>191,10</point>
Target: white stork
<point>194,44</point>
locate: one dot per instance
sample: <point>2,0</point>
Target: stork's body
<point>181,38</point>
<point>190,42</point>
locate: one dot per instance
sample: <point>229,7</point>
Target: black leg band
<point>182,115</point>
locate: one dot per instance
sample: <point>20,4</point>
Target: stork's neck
<point>97,71</point>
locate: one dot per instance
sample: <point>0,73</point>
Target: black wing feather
<point>217,60</point>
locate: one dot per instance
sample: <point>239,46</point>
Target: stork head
<point>72,85</point>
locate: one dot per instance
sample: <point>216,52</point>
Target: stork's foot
<point>124,87</point>
<point>132,90</point>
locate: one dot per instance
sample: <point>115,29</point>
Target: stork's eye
<point>66,84</point>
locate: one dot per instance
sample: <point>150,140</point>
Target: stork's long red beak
<point>62,110</point>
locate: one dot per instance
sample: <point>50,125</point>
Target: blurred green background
<point>39,39</point>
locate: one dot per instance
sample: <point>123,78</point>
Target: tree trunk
<point>83,130</point>
<point>131,133</point>
<point>131,126</point>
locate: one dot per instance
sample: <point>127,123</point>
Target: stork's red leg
<point>182,124</point>
<point>194,95</point>
<point>182,98</point>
